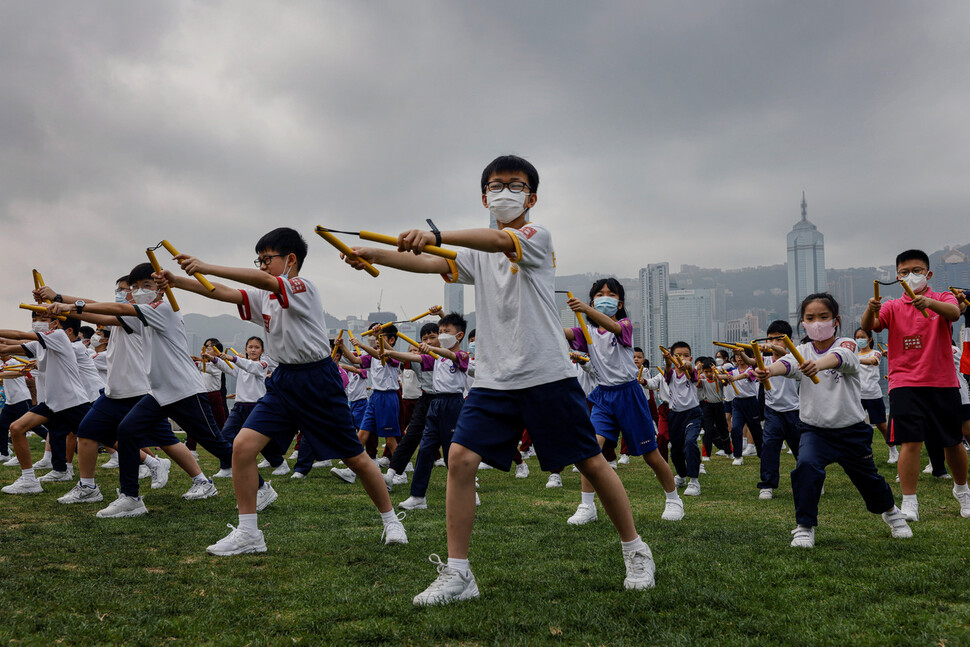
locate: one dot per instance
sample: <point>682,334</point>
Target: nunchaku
<point>328,234</point>
<point>909,291</point>
<point>580,318</point>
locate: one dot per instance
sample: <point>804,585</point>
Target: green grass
<point>725,574</point>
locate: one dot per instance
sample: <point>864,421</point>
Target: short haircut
<point>867,333</point>
<point>215,343</point>
<point>140,272</point>
<point>913,255</point>
<point>390,331</point>
<point>430,328</point>
<point>706,362</point>
<point>779,326</point>
<point>86,332</point>
<point>472,333</point>
<point>71,323</point>
<point>723,354</point>
<point>285,241</point>
<point>511,164</point>
<point>637,349</point>
<point>679,344</point>
<point>454,319</point>
<point>122,279</point>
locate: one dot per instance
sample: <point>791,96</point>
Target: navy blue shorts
<point>357,410</point>
<point>876,409</point>
<point>311,398</point>
<point>238,416</point>
<point>555,414</point>
<point>624,408</point>
<point>383,413</point>
<point>63,422</point>
<point>101,422</point>
<point>727,406</point>
<point>11,413</point>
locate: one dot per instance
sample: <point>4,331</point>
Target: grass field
<point>725,574</point>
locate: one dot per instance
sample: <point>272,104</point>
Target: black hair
<point>637,349</point>
<point>615,287</point>
<point>222,381</point>
<point>454,319</point>
<point>913,255</point>
<point>429,328</point>
<point>472,333</point>
<point>679,344</point>
<point>779,326</point>
<point>868,334</point>
<point>259,339</point>
<point>285,241</point>
<point>388,331</point>
<point>122,279</point>
<point>706,362</point>
<point>72,323</point>
<point>86,332</point>
<point>215,342</point>
<point>829,302</point>
<point>106,332</point>
<point>511,164</point>
<point>140,272</point>
<point>723,354</point>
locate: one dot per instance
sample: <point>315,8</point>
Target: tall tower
<point>454,298</point>
<point>654,286</point>
<point>806,263</point>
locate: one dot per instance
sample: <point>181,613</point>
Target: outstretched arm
<point>424,264</point>
<point>222,292</point>
<point>255,278</point>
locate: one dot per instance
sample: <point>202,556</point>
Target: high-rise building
<point>454,298</point>
<point>654,286</point>
<point>690,318</point>
<point>806,263</point>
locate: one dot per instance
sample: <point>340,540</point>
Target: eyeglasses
<point>514,187</point>
<point>266,260</point>
<point>918,271</point>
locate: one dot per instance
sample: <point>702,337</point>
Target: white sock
<point>460,565</point>
<point>47,455</point>
<point>150,461</point>
<point>909,498</point>
<point>28,474</point>
<point>200,479</point>
<point>88,483</point>
<point>247,522</point>
<point>633,545</point>
<point>389,517</point>
<point>588,497</point>
<point>672,496</point>
<point>960,488</point>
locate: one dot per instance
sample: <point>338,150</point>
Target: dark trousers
<point>412,435</point>
<point>10,413</point>
<point>745,411</point>
<point>438,430</point>
<point>715,427</point>
<point>684,428</point>
<point>850,447</point>
<point>780,426</point>
<point>62,424</point>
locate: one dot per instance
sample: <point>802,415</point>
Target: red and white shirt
<point>292,318</point>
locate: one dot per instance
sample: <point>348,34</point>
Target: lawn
<point>725,574</point>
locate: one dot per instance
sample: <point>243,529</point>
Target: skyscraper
<point>690,318</point>
<point>654,286</point>
<point>454,298</point>
<point>806,263</point>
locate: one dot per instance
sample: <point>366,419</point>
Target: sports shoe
<point>160,473</point>
<point>201,491</point>
<point>297,475</point>
<point>263,464</point>
<point>282,469</point>
<point>238,542</point>
<point>401,479</point>
<point>613,465</point>
<point>43,464</point>
<point>624,459</point>
<point>803,537</point>
<point>389,479</point>
<point>112,462</point>
<point>24,486</point>
<point>484,466</point>
<point>693,488</point>
<point>440,463</point>
<point>575,470</point>
<point>144,472</point>
<point>944,476</point>
<point>123,506</point>
<point>81,494</point>
<point>265,495</point>
<point>195,454</point>
<point>13,462</point>
<point>928,469</point>
<point>673,510</point>
<point>55,476</point>
<point>640,569</point>
<point>964,499</point>
<point>705,459</point>
<point>585,513</point>
<point>701,469</point>
<point>749,450</point>
<point>295,455</point>
<point>414,503</point>
<point>522,470</point>
<point>410,468</point>
<point>383,461</point>
<point>738,461</point>
<point>721,452</point>
<point>897,524</point>
<point>326,463</point>
<point>478,501</point>
<point>345,474</point>
<point>893,455</point>
<point>679,481</point>
<point>224,473</point>
<point>450,586</point>
<point>910,510</point>
<point>394,531</point>
<point>766,493</point>
<point>554,481</point>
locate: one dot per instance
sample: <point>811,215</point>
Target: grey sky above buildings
<point>679,132</point>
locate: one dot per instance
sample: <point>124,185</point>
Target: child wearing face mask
<point>833,428</point>
<point>924,394</point>
<point>872,402</point>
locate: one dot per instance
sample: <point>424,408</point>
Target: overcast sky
<point>679,132</point>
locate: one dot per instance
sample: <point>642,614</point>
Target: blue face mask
<point>606,305</point>
<point>471,348</point>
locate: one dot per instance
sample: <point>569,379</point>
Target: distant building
<point>738,330</point>
<point>690,318</point>
<point>806,263</point>
<point>454,298</point>
<point>654,286</point>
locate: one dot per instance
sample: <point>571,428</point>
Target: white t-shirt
<point>101,363</point>
<point>659,383</point>
<point>127,361</point>
<point>15,388</point>
<point>519,343</point>
<point>836,401</point>
<point>869,377</point>
<point>587,377</point>
<point>63,388</point>
<point>611,355</point>
<point>383,377</point>
<point>89,372</point>
<point>449,377</point>
<point>426,379</point>
<point>683,392</point>
<point>171,371</point>
<point>211,375</point>
<point>783,394</point>
<point>747,388</point>
<point>357,386</point>
<point>726,390</point>
<point>250,378</point>
<point>292,318</point>
<point>708,390</point>
<point>410,384</point>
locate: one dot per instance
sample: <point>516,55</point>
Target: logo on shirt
<point>528,231</point>
<point>850,345</point>
<point>913,342</point>
<point>297,285</point>
<point>266,320</point>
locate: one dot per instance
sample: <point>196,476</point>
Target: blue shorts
<point>101,422</point>
<point>876,409</point>
<point>63,422</point>
<point>623,408</point>
<point>238,416</point>
<point>727,406</point>
<point>11,413</point>
<point>311,398</point>
<point>357,410</point>
<point>382,414</point>
<point>555,414</point>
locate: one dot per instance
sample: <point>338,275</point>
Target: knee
<point>461,459</point>
<point>18,428</point>
<point>246,445</point>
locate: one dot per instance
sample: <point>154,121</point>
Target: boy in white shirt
<point>685,417</point>
<point>17,399</point>
<point>781,414</point>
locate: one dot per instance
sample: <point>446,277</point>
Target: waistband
<point>447,396</point>
<point>617,387</point>
<point>298,368</point>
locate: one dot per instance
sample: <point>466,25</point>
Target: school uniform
<point>872,400</point>
<point>383,406</point>
<point>745,410</point>
<point>713,421</point>
<point>684,422</point>
<point>212,373</point>
<point>101,363</point>
<point>250,387</point>
<point>415,430</point>
<point>90,377</point>
<point>728,394</point>
<point>659,384</point>
<point>17,403</point>
<point>781,425</point>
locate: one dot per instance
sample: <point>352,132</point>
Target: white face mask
<point>40,326</point>
<point>719,362</point>
<point>143,296</point>
<point>506,206</point>
<point>916,282</point>
<point>446,341</point>
<point>121,296</point>
<point>96,340</point>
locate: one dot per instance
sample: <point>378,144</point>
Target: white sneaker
<point>123,506</point>
<point>478,501</point>
<point>201,491</point>
<point>679,481</point>
<point>522,470</point>
<point>803,537</point>
<point>554,481</point>
<point>414,503</point>
<point>401,479</point>
<point>750,450</point>
<point>383,461</point>
<point>263,464</point>
<point>344,474</point>
<point>721,452</point>
<point>160,473</point>
<point>673,510</point>
<point>624,459</point>
<point>238,542</point>
<point>575,470</point>
<point>195,454</point>
<point>897,524</point>
<point>43,464</point>
<point>440,463</point>
<point>738,461</point>
<point>297,475</point>
<point>55,476</point>
<point>484,466</point>
<point>282,469</point>
<point>928,469</point>
<point>224,473</point>
<point>326,463</point>
<point>893,455</point>
<point>24,486</point>
<point>450,586</point>
<point>613,464</point>
<point>701,469</point>
<point>640,569</point>
<point>144,472</point>
<point>389,479</point>
<point>112,462</point>
<point>13,462</point>
<point>265,495</point>
<point>705,459</point>
<point>693,488</point>
<point>410,468</point>
<point>295,455</point>
<point>585,513</point>
<point>910,510</point>
<point>81,494</point>
<point>964,499</point>
<point>394,532</point>
<point>944,476</point>
<point>766,493</point>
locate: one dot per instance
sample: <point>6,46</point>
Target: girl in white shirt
<point>872,400</point>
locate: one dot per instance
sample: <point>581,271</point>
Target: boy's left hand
<point>414,240</point>
<point>45,293</point>
<point>191,264</point>
<point>60,308</point>
<point>922,302</point>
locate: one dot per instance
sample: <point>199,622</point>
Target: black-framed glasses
<point>266,260</point>
<point>514,187</point>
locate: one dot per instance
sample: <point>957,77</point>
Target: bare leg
<point>183,457</point>
<point>245,476</point>
<point>661,469</point>
<point>87,457</point>
<point>18,437</point>
<point>372,480</point>
<point>908,466</point>
<point>390,445</point>
<point>956,458</point>
<point>460,499</point>
<point>585,485</point>
<point>611,493</point>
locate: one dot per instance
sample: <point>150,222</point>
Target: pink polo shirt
<point>920,349</point>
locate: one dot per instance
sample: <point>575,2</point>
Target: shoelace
<point>638,566</point>
<point>445,573</point>
<point>400,518</point>
<point>801,533</point>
